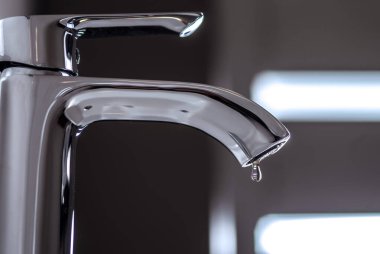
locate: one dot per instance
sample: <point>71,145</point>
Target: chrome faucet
<point>45,106</point>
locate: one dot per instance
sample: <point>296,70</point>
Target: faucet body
<point>44,110</point>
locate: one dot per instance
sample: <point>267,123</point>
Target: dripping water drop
<point>256,175</point>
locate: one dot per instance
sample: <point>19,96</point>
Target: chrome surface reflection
<point>43,114</point>
<point>44,110</point>
<point>49,41</point>
<point>215,111</point>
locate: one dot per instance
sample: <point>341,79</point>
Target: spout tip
<point>268,152</point>
<point>193,25</point>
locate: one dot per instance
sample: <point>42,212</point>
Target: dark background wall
<point>149,187</point>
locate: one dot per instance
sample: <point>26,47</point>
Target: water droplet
<point>256,175</point>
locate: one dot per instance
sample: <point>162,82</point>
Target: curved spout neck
<point>243,127</point>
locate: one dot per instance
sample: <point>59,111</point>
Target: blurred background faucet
<point>45,107</point>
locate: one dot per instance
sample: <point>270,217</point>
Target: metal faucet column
<point>44,108</point>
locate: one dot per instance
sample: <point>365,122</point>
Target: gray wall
<point>16,8</point>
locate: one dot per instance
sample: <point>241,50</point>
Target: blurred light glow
<point>222,232</point>
<point>319,95</point>
<point>318,233</point>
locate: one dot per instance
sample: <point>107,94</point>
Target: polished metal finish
<point>203,107</point>
<point>49,41</point>
<point>43,113</point>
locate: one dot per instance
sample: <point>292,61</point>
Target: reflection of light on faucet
<point>36,43</point>
<point>192,27</point>
<point>319,96</point>
<point>68,164</point>
<point>72,234</point>
<point>67,49</point>
<point>64,91</point>
<point>318,233</point>
<point>222,231</point>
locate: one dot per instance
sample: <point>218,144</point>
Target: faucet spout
<point>248,131</point>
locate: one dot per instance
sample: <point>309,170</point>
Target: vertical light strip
<point>319,96</point>
<point>72,234</point>
<point>222,231</point>
<point>318,233</point>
